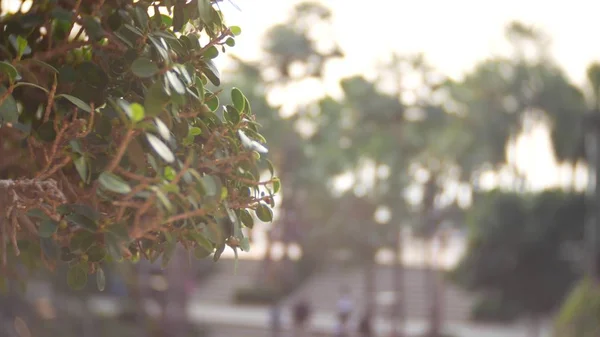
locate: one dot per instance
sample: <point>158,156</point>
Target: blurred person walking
<point>365,329</point>
<point>275,319</point>
<point>345,305</point>
<point>301,315</point>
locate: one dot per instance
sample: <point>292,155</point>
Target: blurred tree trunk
<point>369,284</point>
<point>174,312</point>
<point>434,289</point>
<point>398,308</point>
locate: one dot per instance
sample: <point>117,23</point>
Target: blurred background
<point>438,161</point>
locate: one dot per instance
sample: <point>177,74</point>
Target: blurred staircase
<point>220,286</point>
<point>323,290</point>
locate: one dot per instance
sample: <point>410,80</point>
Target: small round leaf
<point>238,99</point>
<point>77,278</point>
<point>235,30</point>
<point>144,67</point>
<point>264,213</point>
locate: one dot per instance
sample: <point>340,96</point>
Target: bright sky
<point>453,35</point>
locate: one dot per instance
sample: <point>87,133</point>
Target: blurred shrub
<point>494,309</point>
<point>257,295</point>
<point>580,314</point>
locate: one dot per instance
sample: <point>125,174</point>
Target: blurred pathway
<point>224,319</point>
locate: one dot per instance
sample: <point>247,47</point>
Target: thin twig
<point>121,150</point>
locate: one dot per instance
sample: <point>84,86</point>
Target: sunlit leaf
<point>78,102</point>
<point>161,148</point>
<point>113,183</point>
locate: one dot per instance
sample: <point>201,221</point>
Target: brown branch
<point>121,151</point>
<point>90,123</point>
<point>60,50</point>
<point>50,103</point>
<point>7,93</point>
<point>216,40</point>
<point>56,167</point>
<point>187,215</point>
<point>135,176</point>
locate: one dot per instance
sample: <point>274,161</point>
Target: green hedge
<point>257,295</point>
<point>580,314</point>
<point>493,309</point>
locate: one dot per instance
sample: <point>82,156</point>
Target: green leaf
<point>141,14</point>
<point>161,148</point>
<point>10,71</point>
<point>246,218</point>
<point>96,253</point>
<point>81,209</point>
<point>78,102</point>
<point>210,185</point>
<point>45,65</point>
<point>82,221</point>
<point>202,241</point>
<point>194,131</point>
<point>230,42</point>
<point>155,100</point>
<point>100,279</point>
<point>175,82</point>
<point>169,173</point>
<point>199,88</point>
<point>20,44</point>
<point>235,30</point>
<point>264,213</point>
<point>77,277</point>
<point>204,10</point>
<point>137,112</point>
<point>218,252</point>
<point>113,183</point>
<point>81,165</point>
<point>47,228</point>
<point>163,198</point>
<point>212,73</point>
<point>178,16</point>
<point>144,67</point>
<point>251,144</point>
<point>213,103</point>
<point>276,185</point>
<point>168,253</point>
<point>27,84</point>
<point>211,53</point>
<point>238,99</point>
<point>163,129</point>
<point>93,28</point>
<point>37,213</point>
<point>9,113</point>
<point>200,252</point>
<point>232,115</point>
<point>245,244</point>
<point>46,131</point>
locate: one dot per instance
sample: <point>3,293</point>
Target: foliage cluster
<point>580,314</point>
<point>113,140</point>
<point>516,249</point>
